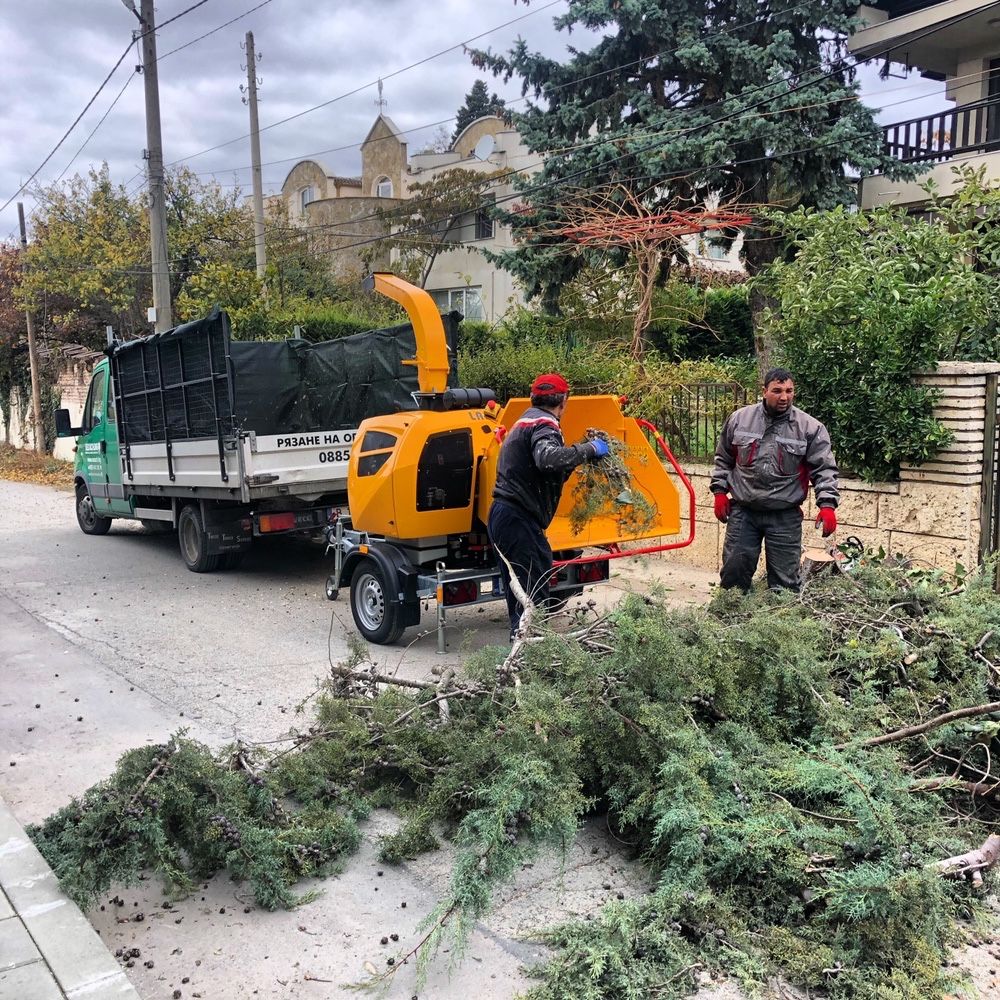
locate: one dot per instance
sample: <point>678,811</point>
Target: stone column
<point>961,407</point>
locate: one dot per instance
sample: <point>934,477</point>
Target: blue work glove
<point>600,448</point>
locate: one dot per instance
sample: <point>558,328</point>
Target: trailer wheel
<point>376,615</point>
<point>91,523</point>
<point>332,588</point>
<point>194,542</point>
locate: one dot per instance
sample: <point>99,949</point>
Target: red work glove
<point>722,507</point>
<point>827,520</point>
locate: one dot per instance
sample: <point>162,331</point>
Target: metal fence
<point>693,420</point>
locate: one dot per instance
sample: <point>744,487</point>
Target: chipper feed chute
<point>649,477</point>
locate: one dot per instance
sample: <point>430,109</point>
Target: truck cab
<point>97,472</point>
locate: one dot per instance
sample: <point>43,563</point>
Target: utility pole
<point>154,173</point>
<point>258,186</point>
<point>38,433</point>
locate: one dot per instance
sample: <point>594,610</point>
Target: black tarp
<point>276,387</point>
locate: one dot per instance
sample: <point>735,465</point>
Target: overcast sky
<point>57,52</point>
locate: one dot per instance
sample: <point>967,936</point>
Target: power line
<point>86,141</point>
<point>840,65</point>
<point>837,68</point>
<point>76,122</point>
<point>87,106</point>
<point>357,90</point>
<point>214,30</point>
<point>519,100</point>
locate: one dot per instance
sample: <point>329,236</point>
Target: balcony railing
<point>971,128</point>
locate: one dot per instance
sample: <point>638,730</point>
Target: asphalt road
<point>109,642</point>
<point>235,651</point>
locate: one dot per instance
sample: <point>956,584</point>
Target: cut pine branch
<point>973,863</point>
<point>925,727</point>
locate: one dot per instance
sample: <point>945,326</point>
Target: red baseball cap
<point>549,385</point>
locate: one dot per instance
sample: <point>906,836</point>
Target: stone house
<point>956,42</point>
<point>341,210</point>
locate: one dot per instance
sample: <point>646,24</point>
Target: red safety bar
<point>616,551</point>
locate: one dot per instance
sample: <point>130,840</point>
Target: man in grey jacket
<point>767,456</point>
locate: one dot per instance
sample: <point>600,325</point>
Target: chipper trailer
<point>420,483</point>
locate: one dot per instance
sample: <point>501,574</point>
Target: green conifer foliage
<point>731,745</point>
<point>751,102</point>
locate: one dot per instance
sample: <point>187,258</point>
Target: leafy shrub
<point>867,301</point>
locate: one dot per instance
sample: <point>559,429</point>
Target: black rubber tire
<point>378,619</point>
<point>91,523</point>
<point>332,588</point>
<point>231,560</point>
<point>193,542</point>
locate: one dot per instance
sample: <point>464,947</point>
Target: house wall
<point>880,190</point>
<point>305,174</point>
<point>931,515</point>
<point>72,384</point>
<point>340,227</point>
<point>382,155</point>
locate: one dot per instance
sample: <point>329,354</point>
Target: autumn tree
<point>440,214</point>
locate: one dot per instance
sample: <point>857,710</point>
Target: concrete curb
<point>48,950</point>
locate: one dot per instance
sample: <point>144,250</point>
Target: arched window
<point>306,195</point>
<point>383,188</point>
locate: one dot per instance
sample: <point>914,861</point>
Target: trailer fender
<point>393,563</point>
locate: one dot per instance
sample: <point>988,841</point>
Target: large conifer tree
<point>752,100</point>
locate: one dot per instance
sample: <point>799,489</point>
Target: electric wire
<point>200,38</point>
<point>838,67</point>
<point>508,103</point>
<point>76,121</point>
<point>372,83</point>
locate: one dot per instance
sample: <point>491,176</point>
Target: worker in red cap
<point>533,467</point>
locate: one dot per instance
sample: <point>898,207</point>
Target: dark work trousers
<point>781,533</point>
<point>521,539</point>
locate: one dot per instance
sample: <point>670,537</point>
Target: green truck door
<point>99,444</point>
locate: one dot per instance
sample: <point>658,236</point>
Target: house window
<point>383,188</point>
<point>467,300</point>
<point>484,225</point>
<point>712,249</point>
<point>306,195</point>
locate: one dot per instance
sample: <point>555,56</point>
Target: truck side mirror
<point>64,427</point>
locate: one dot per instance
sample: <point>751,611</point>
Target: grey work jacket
<point>768,462</point>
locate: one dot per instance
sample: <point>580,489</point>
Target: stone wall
<point>931,515</point>
<point>71,387</point>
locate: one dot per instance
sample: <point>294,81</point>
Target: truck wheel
<point>376,616</point>
<point>91,523</point>
<point>194,542</point>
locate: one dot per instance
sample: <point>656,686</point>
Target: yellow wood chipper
<point>420,484</point>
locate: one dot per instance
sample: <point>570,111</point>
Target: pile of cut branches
<point>803,775</point>
<point>606,488</point>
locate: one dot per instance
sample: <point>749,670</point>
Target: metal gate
<point>989,511</point>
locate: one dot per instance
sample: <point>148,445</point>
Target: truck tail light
<point>592,572</point>
<point>460,592</point>
<point>276,522</point>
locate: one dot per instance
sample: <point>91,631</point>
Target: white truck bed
<point>305,465</point>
